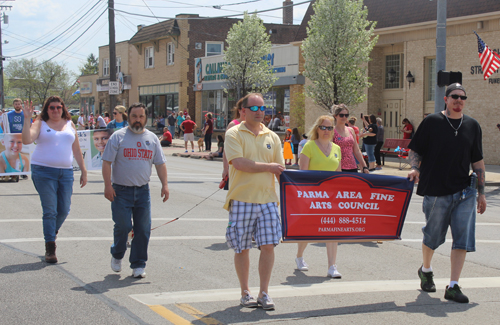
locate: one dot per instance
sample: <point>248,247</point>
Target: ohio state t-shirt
<point>188,126</point>
<point>132,156</point>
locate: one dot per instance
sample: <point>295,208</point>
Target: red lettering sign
<point>343,206</point>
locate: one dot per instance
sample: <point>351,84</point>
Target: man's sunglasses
<point>344,115</point>
<point>256,108</point>
<point>329,128</point>
<point>458,96</point>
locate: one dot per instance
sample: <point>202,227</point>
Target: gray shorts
<point>457,211</point>
<point>262,221</point>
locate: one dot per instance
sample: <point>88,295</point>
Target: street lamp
<point>410,78</point>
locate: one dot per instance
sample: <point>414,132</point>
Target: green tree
<point>91,66</point>
<point>247,68</point>
<point>36,82</point>
<point>338,46</point>
<point>297,112</point>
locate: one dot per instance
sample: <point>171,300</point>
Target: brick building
<point>126,58</point>
<point>166,55</point>
<point>407,42</point>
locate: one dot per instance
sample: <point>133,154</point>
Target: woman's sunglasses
<point>458,96</point>
<point>256,108</point>
<point>322,127</point>
<point>344,115</point>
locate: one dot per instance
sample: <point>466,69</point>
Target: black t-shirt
<point>171,120</point>
<point>371,139</point>
<point>446,158</point>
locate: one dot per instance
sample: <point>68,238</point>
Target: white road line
<point>110,220</point>
<point>27,240</point>
<point>303,290</point>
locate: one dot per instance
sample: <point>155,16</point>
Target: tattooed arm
<point>478,168</point>
<point>415,160</point>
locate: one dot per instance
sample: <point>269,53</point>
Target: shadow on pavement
<point>36,266</point>
<point>435,307</point>
<point>218,247</point>
<point>302,278</point>
<point>110,281</point>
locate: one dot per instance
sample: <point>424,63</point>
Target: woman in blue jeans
<point>370,141</point>
<point>52,165</point>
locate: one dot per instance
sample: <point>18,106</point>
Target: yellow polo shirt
<point>265,148</point>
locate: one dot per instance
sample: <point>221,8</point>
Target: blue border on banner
<point>290,178</point>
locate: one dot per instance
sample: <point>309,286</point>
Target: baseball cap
<point>454,86</point>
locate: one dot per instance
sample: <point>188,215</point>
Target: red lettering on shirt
<point>138,144</point>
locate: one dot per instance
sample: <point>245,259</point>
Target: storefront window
<point>277,102</point>
<point>430,79</point>
<point>216,102</point>
<point>393,62</point>
<point>160,105</point>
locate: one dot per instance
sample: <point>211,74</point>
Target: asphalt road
<point>190,272</point>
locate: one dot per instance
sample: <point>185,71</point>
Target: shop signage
<point>114,88</point>
<point>320,205</point>
<point>86,87</point>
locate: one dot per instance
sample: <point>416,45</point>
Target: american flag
<point>490,61</point>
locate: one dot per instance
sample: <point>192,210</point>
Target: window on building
<point>393,62</point>
<point>105,67</point>
<point>170,53</point>
<point>149,59</point>
<point>118,64</point>
<point>216,102</point>
<point>430,79</point>
<point>213,48</point>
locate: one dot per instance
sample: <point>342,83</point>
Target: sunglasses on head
<point>458,96</point>
<point>344,115</point>
<point>52,108</point>
<point>322,127</point>
<point>256,108</point>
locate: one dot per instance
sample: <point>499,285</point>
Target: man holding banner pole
<point>254,154</point>
<point>444,147</point>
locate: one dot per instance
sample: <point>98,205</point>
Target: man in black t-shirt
<point>444,147</point>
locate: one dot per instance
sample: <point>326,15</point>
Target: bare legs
<point>457,259</point>
<point>266,263</point>
<point>331,251</point>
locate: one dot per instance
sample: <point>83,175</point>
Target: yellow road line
<point>198,314</point>
<point>169,315</point>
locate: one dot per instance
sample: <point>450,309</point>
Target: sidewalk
<point>391,166</point>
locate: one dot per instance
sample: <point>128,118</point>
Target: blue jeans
<point>458,211</point>
<point>54,186</point>
<point>131,209</point>
<point>370,151</point>
<point>171,129</point>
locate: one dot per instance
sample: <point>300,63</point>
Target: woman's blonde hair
<point>313,133</point>
<point>123,110</point>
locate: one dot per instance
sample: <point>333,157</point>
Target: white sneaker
<point>139,273</point>
<point>301,264</point>
<point>116,264</point>
<point>333,272</point>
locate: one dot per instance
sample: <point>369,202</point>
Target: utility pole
<point>2,94</point>
<point>440,54</point>
<point>112,51</point>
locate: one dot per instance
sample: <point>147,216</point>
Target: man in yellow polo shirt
<point>254,154</point>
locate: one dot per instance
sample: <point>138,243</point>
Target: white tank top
<point>54,148</point>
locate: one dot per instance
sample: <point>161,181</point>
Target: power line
<point>199,18</point>
<point>98,2</point>
<point>76,38</point>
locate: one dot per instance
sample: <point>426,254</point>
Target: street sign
<point>114,88</point>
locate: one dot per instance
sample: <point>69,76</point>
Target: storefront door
<point>391,115</point>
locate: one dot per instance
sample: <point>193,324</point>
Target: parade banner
<point>323,206</point>
<point>15,157</point>
<point>92,144</point>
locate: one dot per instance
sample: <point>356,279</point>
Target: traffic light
<point>446,78</point>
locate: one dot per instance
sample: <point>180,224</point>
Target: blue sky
<point>33,23</point>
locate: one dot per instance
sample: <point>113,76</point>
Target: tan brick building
<point>407,42</point>
<point>166,55</point>
<point>126,69</point>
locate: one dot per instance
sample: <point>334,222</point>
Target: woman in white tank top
<point>52,165</point>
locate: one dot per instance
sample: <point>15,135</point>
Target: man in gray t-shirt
<point>126,169</point>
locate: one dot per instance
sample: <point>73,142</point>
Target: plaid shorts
<point>262,221</point>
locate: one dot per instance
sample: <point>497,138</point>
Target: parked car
<point>74,112</point>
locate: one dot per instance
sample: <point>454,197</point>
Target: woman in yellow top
<point>320,153</point>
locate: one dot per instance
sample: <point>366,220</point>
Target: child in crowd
<point>287,147</point>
